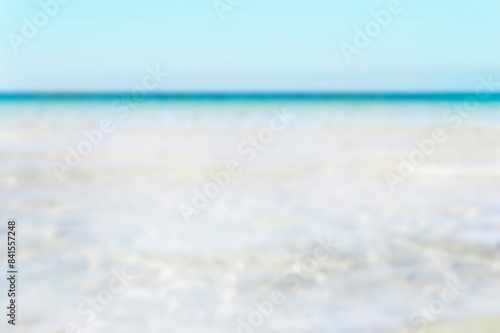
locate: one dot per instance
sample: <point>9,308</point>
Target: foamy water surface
<point>321,178</point>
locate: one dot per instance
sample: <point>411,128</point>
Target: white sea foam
<point>322,175</point>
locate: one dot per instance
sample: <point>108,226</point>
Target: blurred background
<point>251,166</point>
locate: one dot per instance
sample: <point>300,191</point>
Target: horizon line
<point>199,95</point>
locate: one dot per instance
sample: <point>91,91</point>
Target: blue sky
<point>261,45</point>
